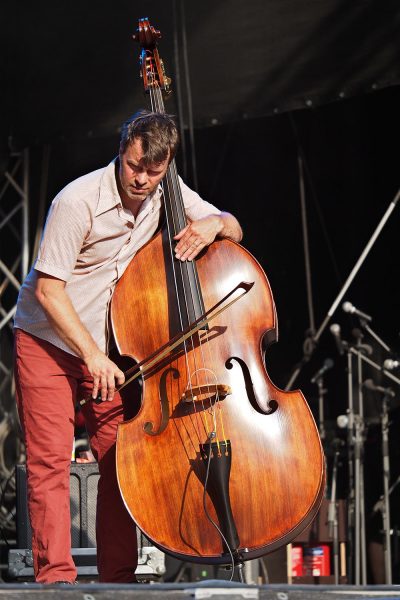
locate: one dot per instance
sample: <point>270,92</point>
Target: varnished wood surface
<point>277,475</point>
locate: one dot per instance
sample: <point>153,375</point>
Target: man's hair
<point>157,132</point>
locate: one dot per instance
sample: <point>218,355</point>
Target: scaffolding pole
<point>14,261</point>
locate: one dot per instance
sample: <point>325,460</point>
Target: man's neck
<point>132,205</point>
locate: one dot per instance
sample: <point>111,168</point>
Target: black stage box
<point>83,494</point>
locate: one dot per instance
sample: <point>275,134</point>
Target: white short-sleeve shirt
<point>88,241</point>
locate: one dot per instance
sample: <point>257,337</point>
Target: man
<point>95,226</point>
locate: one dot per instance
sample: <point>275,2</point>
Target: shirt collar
<point>108,196</point>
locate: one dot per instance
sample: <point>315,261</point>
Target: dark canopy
<point>70,69</point>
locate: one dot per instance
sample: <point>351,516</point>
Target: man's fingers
<point>119,376</point>
<point>106,375</point>
<point>96,381</point>
<point>179,235</point>
<point>189,249</point>
<point>194,253</point>
<point>104,388</point>
<point>110,391</point>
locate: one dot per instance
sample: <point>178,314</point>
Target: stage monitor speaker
<point>83,495</point>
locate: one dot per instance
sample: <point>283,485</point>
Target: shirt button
<point>130,224</point>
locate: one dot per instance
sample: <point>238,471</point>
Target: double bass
<point>219,465</point>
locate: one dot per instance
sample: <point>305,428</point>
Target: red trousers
<point>48,382</point>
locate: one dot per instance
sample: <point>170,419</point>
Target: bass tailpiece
<point>218,487</point>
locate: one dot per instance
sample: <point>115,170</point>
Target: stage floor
<point>210,589</point>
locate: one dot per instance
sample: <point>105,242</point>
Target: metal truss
<point>14,265</point>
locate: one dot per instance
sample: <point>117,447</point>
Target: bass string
<point>212,387</point>
<point>211,380</point>
<point>157,105</point>
<point>173,185</point>
<point>191,357</point>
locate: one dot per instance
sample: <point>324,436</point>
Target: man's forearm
<point>231,228</point>
<point>66,322</point>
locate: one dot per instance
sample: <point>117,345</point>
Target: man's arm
<point>53,298</point>
<point>201,233</point>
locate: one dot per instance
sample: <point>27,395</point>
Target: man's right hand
<point>50,293</point>
<point>105,375</point>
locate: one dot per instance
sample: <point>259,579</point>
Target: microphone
<point>335,331</point>
<point>390,364</point>
<point>370,385</point>
<point>342,421</point>
<point>328,364</point>
<point>350,308</point>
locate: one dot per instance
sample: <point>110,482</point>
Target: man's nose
<point>141,178</point>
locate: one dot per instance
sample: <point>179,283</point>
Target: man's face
<point>136,180</point>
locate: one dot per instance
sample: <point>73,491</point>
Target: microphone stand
<point>379,506</point>
<point>344,289</point>
<point>365,325</point>
<point>359,436</point>
<point>385,509</point>
<point>333,517</point>
<point>319,380</point>
<point>386,373</point>
<point>353,537</point>
<point>386,492</point>
<point>355,435</point>
<point>385,449</point>
<point>321,394</point>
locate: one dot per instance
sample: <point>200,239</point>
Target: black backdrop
<point>268,80</point>
<point>250,167</point>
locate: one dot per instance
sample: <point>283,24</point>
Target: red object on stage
<point>317,560</point>
<point>297,561</point>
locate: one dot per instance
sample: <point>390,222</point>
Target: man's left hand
<point>196,236</point>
